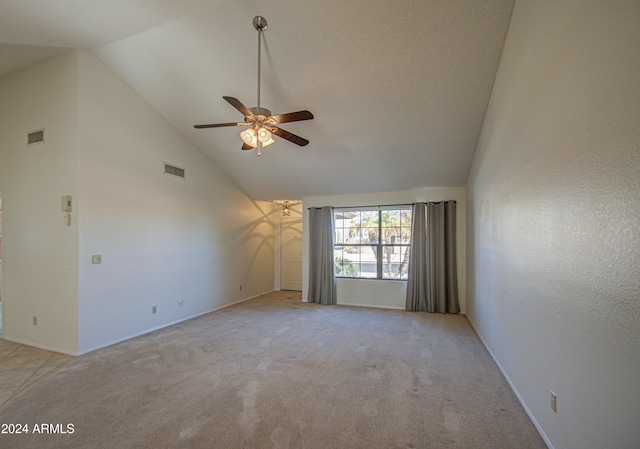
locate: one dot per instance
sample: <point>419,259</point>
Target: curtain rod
<point>383,205</point>
<point>365,207</point>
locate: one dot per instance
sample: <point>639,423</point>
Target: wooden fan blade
<point>219,125</point>
<point>239,106</point>
<point>246,147</point>
<point>292,117</point>
<point>290,137</point>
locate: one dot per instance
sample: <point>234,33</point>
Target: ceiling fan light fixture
<point>264,135</point>
<point>249,137</point>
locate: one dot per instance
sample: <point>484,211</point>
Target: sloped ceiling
<point>399,89</point>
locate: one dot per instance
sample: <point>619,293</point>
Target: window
<point>372,243</point>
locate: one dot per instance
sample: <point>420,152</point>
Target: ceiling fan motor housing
<point>261,111</point>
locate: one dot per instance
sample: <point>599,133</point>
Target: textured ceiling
<point>399,90</point>
<point>33,30</point>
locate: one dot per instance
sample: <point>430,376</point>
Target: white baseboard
<point>376,306</point>
<point>40,346</point>
<point>516,392</point>
<point>162,326</point>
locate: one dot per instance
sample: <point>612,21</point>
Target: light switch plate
<point>96,259</point>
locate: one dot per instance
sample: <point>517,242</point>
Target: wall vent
<point>35,137</point>
<point>173,170</point>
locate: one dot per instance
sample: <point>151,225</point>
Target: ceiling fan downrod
<point>260,24</point>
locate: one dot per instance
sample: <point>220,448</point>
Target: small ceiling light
<point>286,206</point>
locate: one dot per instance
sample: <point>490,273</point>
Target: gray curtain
<point>322,281</point>
<point>432,284</point>
<point>416,274</point>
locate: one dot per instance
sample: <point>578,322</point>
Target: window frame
<point>380,245</point>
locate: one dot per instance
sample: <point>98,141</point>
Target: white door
<point>291,253</point>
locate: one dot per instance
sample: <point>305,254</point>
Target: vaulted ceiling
<point>399,89</point>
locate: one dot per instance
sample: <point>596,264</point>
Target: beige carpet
<point>274,372</point>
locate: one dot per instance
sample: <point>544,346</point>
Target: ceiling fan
<point>262,125</point>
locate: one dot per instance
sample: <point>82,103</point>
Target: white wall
<point>161,239</point>
<point>378,293</point>
<point>554,220</point>
<point>39,251</point>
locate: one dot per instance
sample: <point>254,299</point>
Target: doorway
<point>291,253</point>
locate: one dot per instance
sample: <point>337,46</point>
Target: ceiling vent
<point>173,170</point>
<point>35,137</point>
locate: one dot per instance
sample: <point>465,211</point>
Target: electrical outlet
<point>96,259</point>
<point>180,302</point>
<point>154,309</point>
<point>554,402</point>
